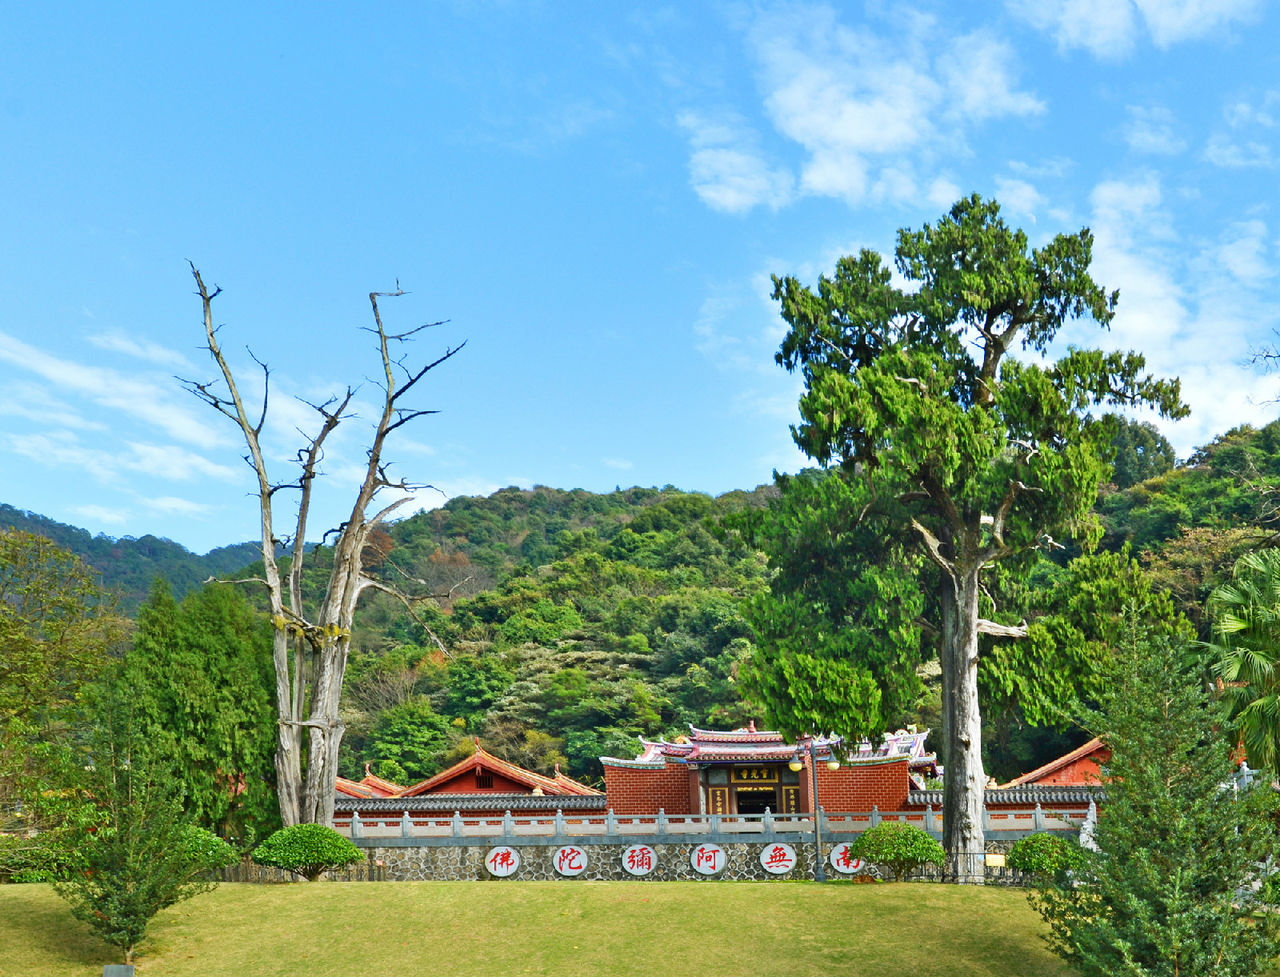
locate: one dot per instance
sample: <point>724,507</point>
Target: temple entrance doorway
<point>754,800</point>
<point>752,789</point>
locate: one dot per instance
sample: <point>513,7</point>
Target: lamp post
<point>797,764</point>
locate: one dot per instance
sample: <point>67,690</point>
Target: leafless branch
<point>368,583</point>
<point>1002,630</point>
<point>934,548</point>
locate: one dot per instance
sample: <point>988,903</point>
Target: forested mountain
<point>573,623</point>
<point>567,623</point>
<point>129,566</point>
<point>1188,524</point>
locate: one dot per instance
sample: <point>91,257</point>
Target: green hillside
<point>563,625</point>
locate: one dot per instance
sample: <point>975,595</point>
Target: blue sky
<point>595,196</point>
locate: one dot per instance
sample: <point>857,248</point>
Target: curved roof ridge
<point>483,759</point>
<point>1028,779</point>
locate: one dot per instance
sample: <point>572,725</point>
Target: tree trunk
<point>964,793</point>
<point>309,674</point>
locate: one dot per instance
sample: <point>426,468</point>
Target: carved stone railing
<point>409,828</point>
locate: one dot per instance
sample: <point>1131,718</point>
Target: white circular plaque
<point>707,859</point>
<point>843,862</point>
<point>502,861</point>
<point>570,860</point>
<point>639,860</point>
<point>778,859</point>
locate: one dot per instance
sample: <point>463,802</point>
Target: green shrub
<point>898,846</point>
<point>308,850</point>
<point>206,849</point>
<point>1045,856</point>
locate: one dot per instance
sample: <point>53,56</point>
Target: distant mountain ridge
<point>482,538</point>
<point>130,566</point>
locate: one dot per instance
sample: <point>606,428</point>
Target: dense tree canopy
<point>967,454</point>
<point>57,629</point>
<point>200,675</point>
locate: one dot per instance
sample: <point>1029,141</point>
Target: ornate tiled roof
<point>370,785</point>
<point>751,745</point>
<point>352,788</point>
<point>448,803</point>
<point>482,759</point>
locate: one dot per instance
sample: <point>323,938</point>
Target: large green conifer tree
<point>1168,892</point>
<point>964,454</point>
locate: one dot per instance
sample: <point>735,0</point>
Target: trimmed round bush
<point>898,846</point>
<point>1045,856</point>
<point>308,850</point>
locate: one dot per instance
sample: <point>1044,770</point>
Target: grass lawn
<point>562,928</point>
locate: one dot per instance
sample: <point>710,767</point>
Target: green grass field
<point>562,928</point>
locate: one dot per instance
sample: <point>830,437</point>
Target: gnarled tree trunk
<point>310,649</point>
<point>963,833</point>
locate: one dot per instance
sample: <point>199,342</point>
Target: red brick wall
<point>1081,771</point>
<point>863,786</point>
<point>635,791</point>
<point>465,783</point>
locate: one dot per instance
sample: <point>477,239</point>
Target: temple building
<point>481,785</point>
<point>1081,767</point>
<point>749,771</point>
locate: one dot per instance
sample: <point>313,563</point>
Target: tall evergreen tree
<point>140,854</point>
<point>200,674</point>
<point>1166,892</point>
<point>971,456</point>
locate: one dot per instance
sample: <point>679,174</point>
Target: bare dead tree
<point>311,645</point>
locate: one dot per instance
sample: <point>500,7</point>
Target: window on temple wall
<point>484,781</point>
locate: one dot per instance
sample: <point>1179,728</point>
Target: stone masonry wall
<point>604,862</point>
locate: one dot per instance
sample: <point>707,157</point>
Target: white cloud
<point>976,72</point>
<point>942,192</point>
<point>1193,313</point>
<point>172,505</point>
<point>1221,151</point>
<point>1109,28</point>
<point>101,514</point>
<point>1242,114</point>
<point>148,399</point>
<point>619,463</point>
<point>872,112</point>
<point>173,463</point>
<point>1018,197</point>
<point>728,171</point>
<point>34,402</point>
<point>1105,28</point>
<point>118,342</point>
<point>1153,130</point>
<point>1244,253</point>
<point>841,94</point>
<point>62,449</point>
<point>1172,21</point>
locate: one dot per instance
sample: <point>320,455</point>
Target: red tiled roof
<point>484,760</point>
<point>1040,773</point>
<point>378,786</point>
<point>352,788</point>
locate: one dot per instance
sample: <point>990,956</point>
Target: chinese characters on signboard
<point>843,862</point>
<point>778,859</point>
<point>502,861</point>
<point>707,859</point>
<point>570,861</point>
<point>755,775</point>
<point>639,860</point>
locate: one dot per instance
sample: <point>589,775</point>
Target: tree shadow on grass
<point>40,936</point>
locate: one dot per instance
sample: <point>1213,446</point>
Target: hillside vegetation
<point>566,624</point>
